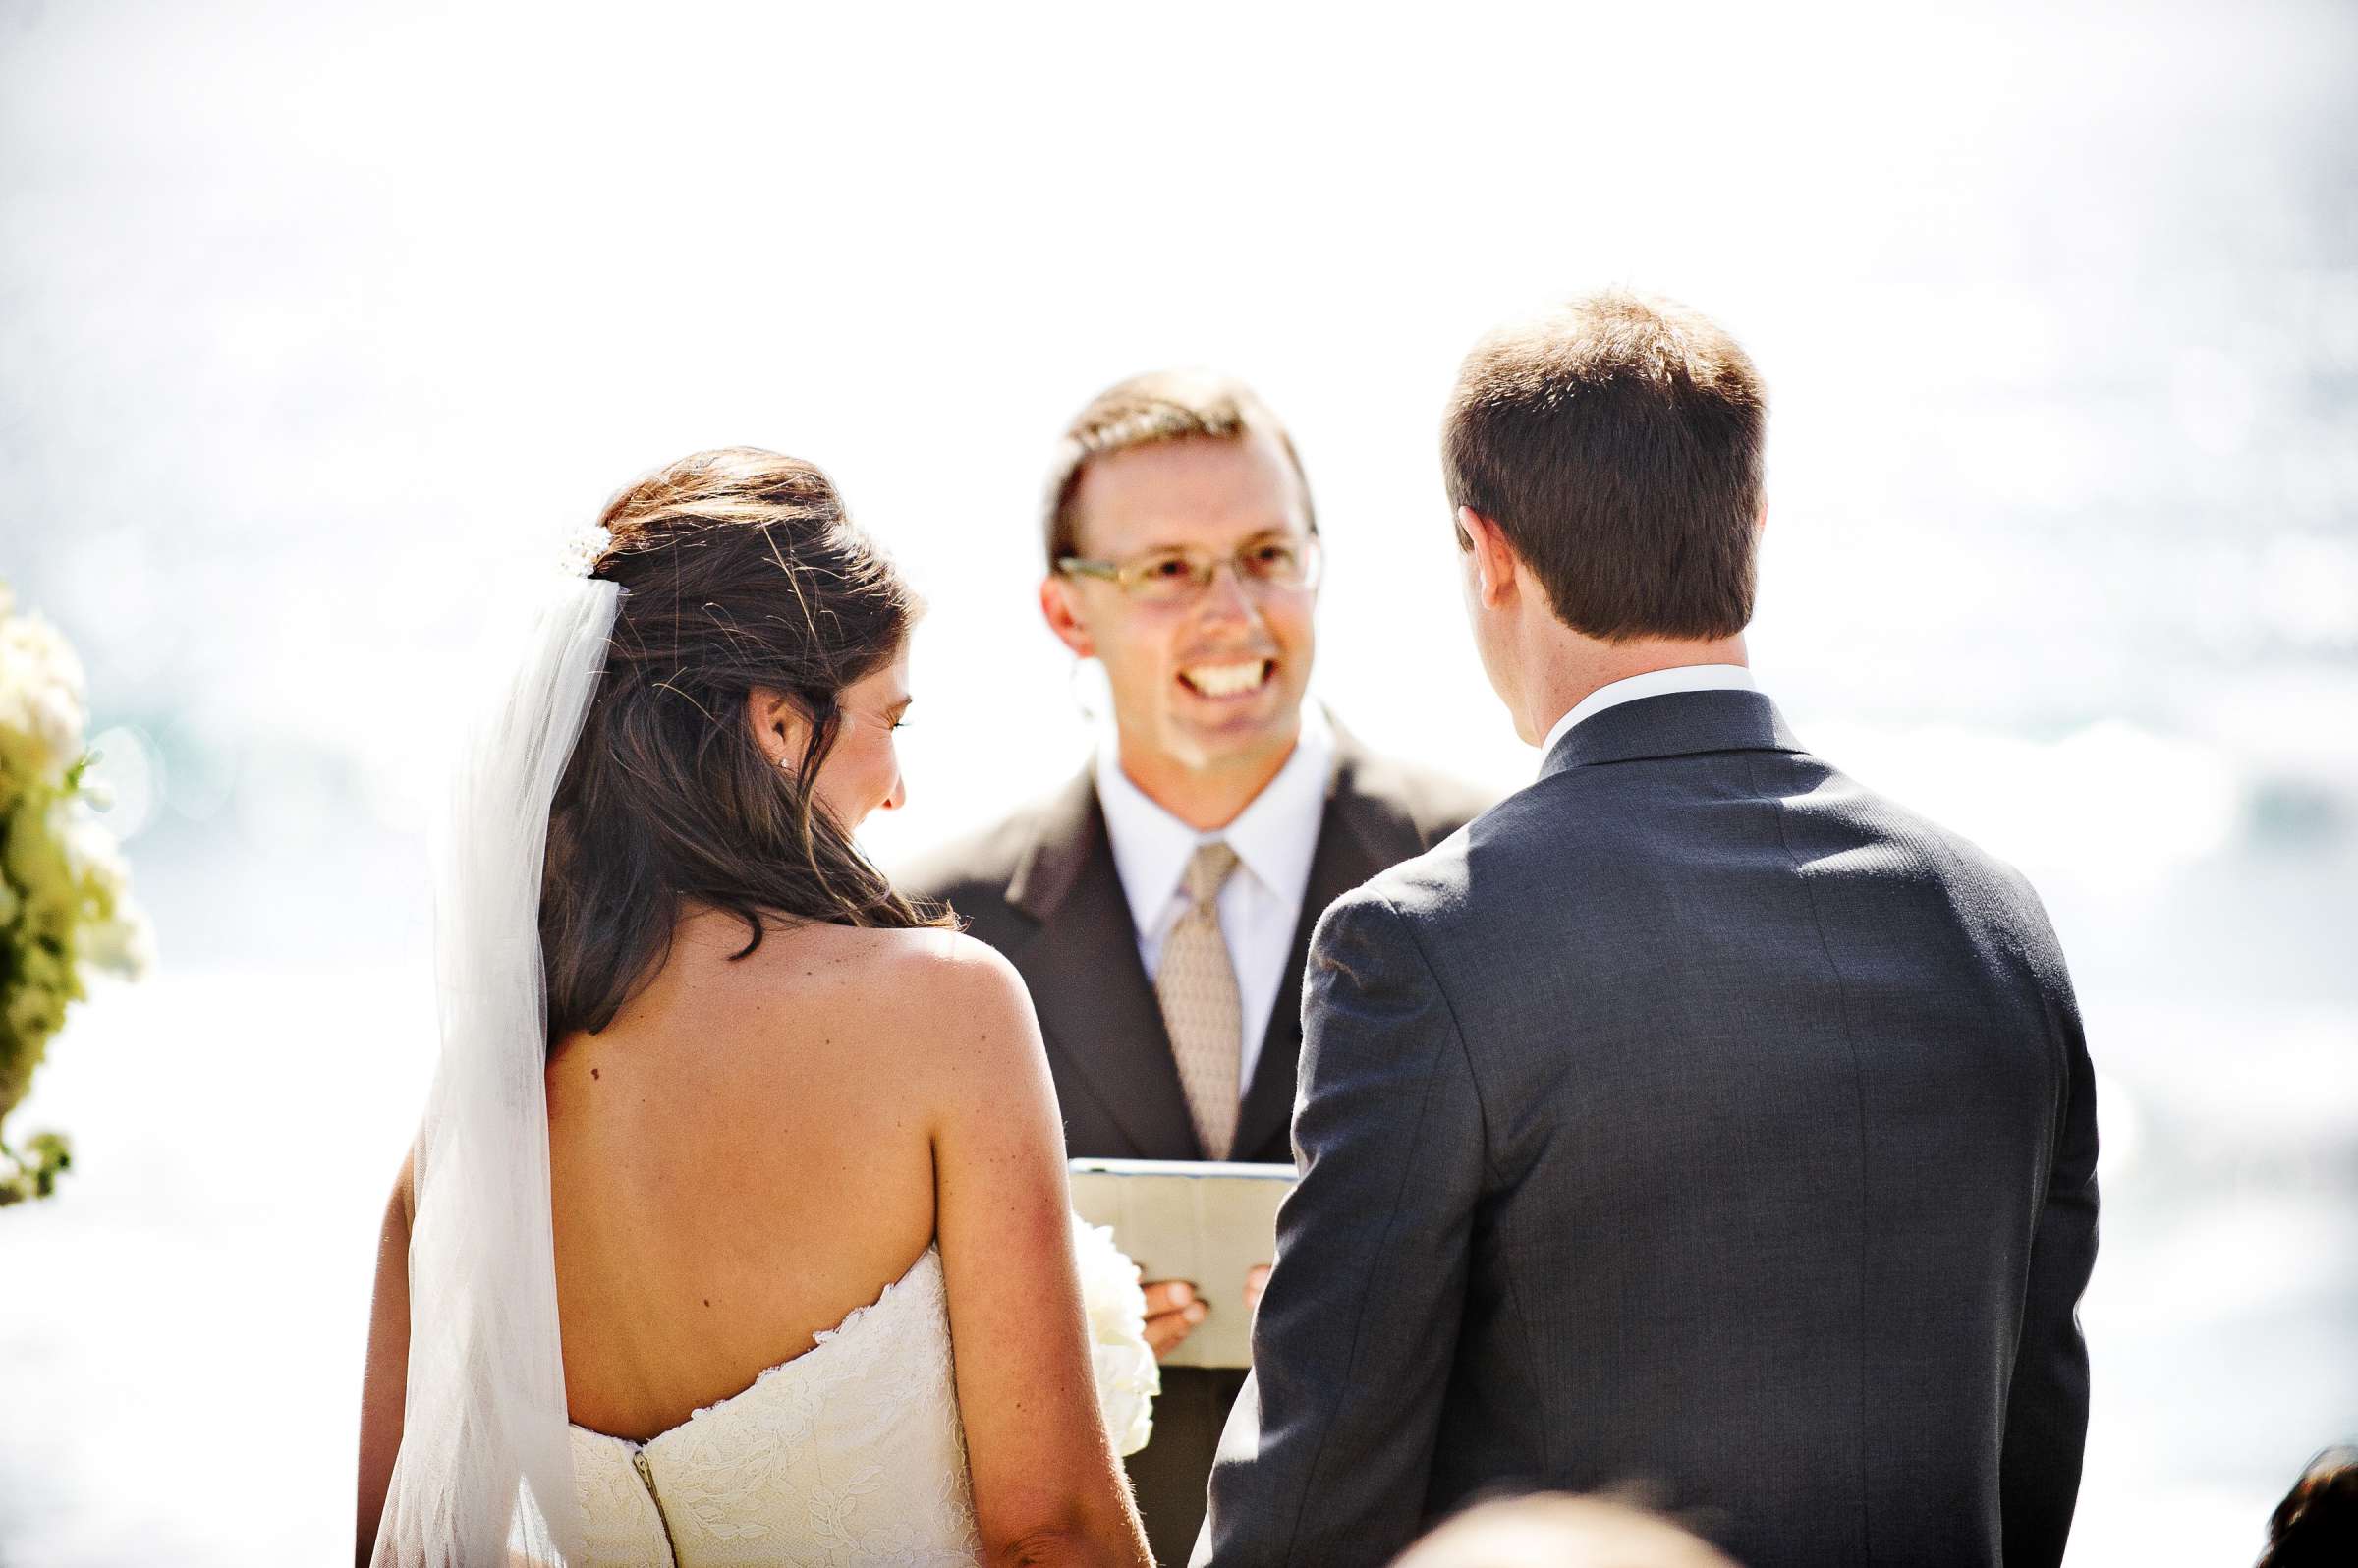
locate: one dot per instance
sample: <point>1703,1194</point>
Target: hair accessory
<point>584,550</point>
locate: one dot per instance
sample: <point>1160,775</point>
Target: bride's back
<point>739,1152</point>
<point>774,1088</point>
<point>741,1159</point>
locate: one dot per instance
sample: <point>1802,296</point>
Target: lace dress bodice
<point>851,1453</point>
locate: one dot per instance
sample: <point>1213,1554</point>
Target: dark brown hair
<point>2317,1523</point>
<point>1617,443</point>
<point>739,570</point>
<point>1146,411</point>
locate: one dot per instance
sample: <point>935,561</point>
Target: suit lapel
<point>1097,1007</point>
<point>1357,838</point>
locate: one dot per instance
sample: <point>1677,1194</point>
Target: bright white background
<point>318,330</point>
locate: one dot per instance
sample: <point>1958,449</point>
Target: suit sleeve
<point>1328,1451</point>
<point>2046,1402</point>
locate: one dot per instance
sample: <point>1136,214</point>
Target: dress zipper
<point>646,1478</point>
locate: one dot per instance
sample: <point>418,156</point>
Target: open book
<point>1208,1224</point>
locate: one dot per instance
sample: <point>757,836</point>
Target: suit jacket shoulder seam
<point>1858,1079</point>
<point>1407,1165</point>
<point>1457,1031</point>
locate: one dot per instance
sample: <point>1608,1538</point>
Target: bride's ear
<point>779,727</point>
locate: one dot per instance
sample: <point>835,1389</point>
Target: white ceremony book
<point>1206,1222</point>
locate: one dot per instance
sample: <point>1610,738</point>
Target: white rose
<point>1128,1378</point>
<point>92,852</point>
<point>124,944</point>
<point>40,690</point>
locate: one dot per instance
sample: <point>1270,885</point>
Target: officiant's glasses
<point>1177,576</point>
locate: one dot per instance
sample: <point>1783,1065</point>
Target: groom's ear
<point>1064,615</point>
<point>1494,559</point>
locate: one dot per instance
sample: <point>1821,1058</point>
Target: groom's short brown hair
<point>1617,441</point>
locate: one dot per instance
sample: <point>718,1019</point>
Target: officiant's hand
<point>1256,1281</point>
<point>1173,1309</point>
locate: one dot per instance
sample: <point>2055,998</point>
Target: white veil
<point>485,1468</point>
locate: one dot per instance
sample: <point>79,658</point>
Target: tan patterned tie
<point>1197,987</point>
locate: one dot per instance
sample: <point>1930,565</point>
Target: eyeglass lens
<point>1170,574</point>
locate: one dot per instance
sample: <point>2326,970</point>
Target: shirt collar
<point>1274,836</point>
<point>1654,683</point>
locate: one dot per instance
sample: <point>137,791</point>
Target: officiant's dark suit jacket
<point>1695,1118</point>
<point>1043,889</point>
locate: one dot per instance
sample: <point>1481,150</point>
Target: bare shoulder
<point>909,966</point>
<point>962,986</point>
<point>924,984</point>
<point>964,1017</point>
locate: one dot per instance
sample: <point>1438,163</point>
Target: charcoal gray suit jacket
<point>1042,888</point>
<point>1695,1118</point>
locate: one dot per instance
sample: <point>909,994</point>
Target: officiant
<point>1160,904</point>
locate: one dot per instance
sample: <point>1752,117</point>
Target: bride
<point>737,1229</point>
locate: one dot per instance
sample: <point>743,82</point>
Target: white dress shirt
<point>1654,683</point>
<point>1274,838</point>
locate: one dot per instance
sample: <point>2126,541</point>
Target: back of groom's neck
<point>1572,667</point>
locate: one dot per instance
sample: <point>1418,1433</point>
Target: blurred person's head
<point>1160,481</point>
<point>1604,461</point>
<point>740,732</point>
<point>2317,1523</point>
<point>1554,1531</point>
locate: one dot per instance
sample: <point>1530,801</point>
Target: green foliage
<point>65,905</point>
<point>34,1173</point>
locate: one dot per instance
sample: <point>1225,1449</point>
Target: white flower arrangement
<point>65,893</point>
<point>1128,1378</point>
<point>42,714</point>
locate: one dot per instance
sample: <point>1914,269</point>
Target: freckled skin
<point>633,1174</point>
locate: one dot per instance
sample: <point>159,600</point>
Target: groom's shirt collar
<point>1654,683</point>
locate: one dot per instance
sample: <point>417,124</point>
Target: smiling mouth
<point>1236,679</point>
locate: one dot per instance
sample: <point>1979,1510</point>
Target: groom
<point>1696,1118</point>
<point>1160,905</point>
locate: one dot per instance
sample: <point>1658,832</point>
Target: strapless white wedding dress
<point>851,1453</point>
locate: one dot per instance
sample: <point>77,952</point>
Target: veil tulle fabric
<point>485,1468</point>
